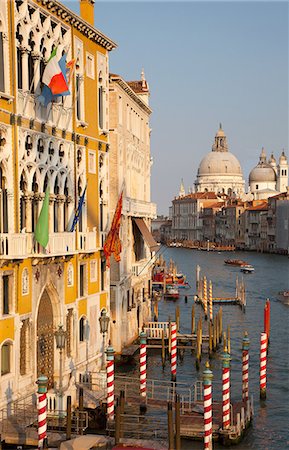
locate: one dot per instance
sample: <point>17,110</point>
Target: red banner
<point>112,245</point>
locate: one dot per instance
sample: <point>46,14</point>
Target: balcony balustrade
<point>13,245</point>
<point>59,244</point>
<point>87,241</point>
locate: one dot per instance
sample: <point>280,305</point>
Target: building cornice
<point>117,79</point>
<point>78,23</point>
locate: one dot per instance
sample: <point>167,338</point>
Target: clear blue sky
<point>206,62</point>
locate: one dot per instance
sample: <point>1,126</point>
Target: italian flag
<point>53,76</point>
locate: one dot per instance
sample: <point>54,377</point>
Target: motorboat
<point>247,269</point>
<point>284,293</point>
<point>235,262</point>
<point>172,291</point>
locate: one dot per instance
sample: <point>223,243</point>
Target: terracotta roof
<point>138,87</point>
<point>199,195</point>
<point>280,196</point>
<point>214,205</point>
<point>262,207</point>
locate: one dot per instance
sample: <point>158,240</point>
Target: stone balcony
<point>23,245</point>
<point>59,244</point>
<point>13,245</point>
<point>87,241</point>
<point>139,208</point>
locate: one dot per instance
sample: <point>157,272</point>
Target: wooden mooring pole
<point>170,426</point>
<point>163,349</point>
<point>178,422</point>
<point>193,321</point>
<point>263,365</point>
<point>177,313</point>
<point>208,419</point>
<point>229,338</point>
<point>117,423</point>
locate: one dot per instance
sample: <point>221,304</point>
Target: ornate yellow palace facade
<point>64,146</point>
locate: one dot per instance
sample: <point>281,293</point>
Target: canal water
<point>270,428</point>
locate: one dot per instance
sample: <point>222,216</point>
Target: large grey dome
<point>219,163</point>
<point>262,172</point>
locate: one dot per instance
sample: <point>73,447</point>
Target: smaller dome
<point>272,159</point>
<point>262,172</point>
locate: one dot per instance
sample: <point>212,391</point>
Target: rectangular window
<point>91,161</point>
<point>82,273</point>
<point>78,97</point>
<point>93,270</point>
<point>120,110</point>
<point>5,359</point>
<point>103,271</point>
<point>2,80</point>
<point>128,300</point>
<point>90,65</point>
<point>100,107</point>
<point>5,281</point>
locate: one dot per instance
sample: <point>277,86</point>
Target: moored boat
<point>284,293</point>
<point>236,262</point>
<point>247,269</point>
<point>172,291</point>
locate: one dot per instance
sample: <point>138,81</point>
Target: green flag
<point>42,226</point>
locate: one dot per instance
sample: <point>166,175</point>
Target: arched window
<point>3,203</point>
<point>66,212</point>
<point>79,190</point>
<point>82,329</point>
<point>56,206</point>
<point>31,43</point>
<point>34,209</point>
<point>23,190</point>
<point>6,358</point>
<point>100,101</point>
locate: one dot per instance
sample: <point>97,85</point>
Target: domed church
<point>220,171</point>
<point>268,178</point>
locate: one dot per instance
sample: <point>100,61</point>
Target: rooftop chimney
<point>87,10</point>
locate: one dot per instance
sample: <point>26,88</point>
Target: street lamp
<point>60,337</point>
<point>103,322</point>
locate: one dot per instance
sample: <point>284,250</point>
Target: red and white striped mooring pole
<point>143,364</point>
<point>110,382</point>
<point>245,367</point>
<point>208,418</point>
<point>263,363</point>
<point>174,351</point>
<point>42,411</point>
<point>226,389</point>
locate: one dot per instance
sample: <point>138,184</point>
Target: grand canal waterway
<point>270,430</point>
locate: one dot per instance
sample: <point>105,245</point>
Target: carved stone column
<point>61,200</point>
<point>25,80</point>
<point>52,199</point>
<point>28,198</point>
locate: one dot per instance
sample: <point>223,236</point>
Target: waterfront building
<point>186,214</point>
<point>252,232</point>
<point>208,216</point>
<point>267,178</point>
<point>220,170</point>
<point>130,171</point>
<point>63,146</point>
<point>229,224</point>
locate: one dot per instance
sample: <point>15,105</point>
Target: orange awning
<point>146,234</point>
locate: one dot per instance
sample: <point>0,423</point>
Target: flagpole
<point>70,83</point>
<point>75,99</point>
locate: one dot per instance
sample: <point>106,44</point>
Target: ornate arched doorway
<point>45,339</point>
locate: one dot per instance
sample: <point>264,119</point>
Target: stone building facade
<point>130,171</point>
<point>64,146</point>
